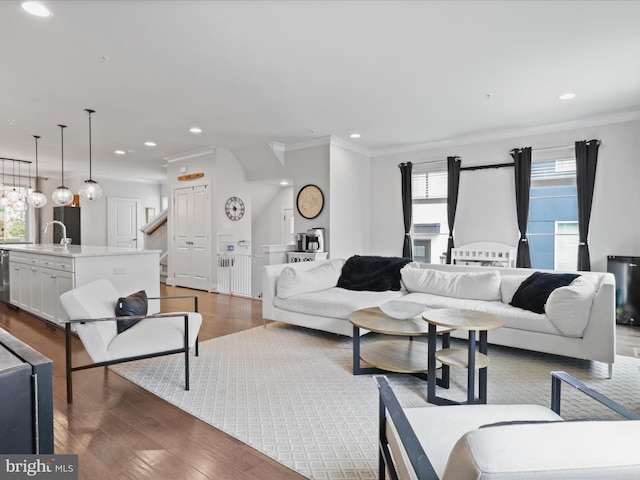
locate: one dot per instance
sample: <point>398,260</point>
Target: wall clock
<point>310,201</point>
<point>234,208</point>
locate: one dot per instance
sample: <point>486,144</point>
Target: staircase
<point>155,238</point>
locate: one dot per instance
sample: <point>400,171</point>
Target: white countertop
<point>75,250</point>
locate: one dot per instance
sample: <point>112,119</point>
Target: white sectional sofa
<point>578,321</point>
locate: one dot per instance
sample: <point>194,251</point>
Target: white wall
<point>350,177</point>
<point>266,228</point>
<point>94,215</point>
<point>485,196</point>
<point>231,183</point>
<point>311,166</point>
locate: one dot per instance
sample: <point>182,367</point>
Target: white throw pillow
<point>294,282</point>
<point>509,284</point>
<point>568,308</point>
<point>470,285</point>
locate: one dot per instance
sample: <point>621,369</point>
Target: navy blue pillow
<point>131,306</point>
<point>532,294</point>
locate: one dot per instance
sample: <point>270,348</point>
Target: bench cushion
<point>439,428</point>
<point>558,451</point>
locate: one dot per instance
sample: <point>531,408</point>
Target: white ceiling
<point>247,72</point>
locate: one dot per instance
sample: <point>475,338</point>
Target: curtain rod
<point>422,163</point>
<point>499,165</point>
<point>482,167</point>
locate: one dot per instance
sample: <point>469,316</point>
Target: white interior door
<point>287,227</point>
<point>192,241</point>
<point>122,222</point>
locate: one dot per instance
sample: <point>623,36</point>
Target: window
<point>13,222</point>
<point>553,214</point>
<point>430,226</point>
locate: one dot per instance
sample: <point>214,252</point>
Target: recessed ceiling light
<point>120,152</point>
<point>36,8</point>
<point>150,144</point>
<point>567,96</point>
<point>284,183</point>
<point>195,130</point>
<point>355,135</point>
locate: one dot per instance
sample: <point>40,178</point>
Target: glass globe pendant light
<point>37,199</point>
<point>90,189</point>
<point>62,195</point>
<point>4,201</point>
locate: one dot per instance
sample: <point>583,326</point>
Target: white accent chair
<point>91,310</point>
<point>492,442</point>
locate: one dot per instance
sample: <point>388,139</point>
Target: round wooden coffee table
<point>400,355</point>
<point>467,358</point>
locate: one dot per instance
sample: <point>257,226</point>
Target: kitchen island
<point>40,273</point>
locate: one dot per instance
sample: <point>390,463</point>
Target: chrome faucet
<point>64,241</point>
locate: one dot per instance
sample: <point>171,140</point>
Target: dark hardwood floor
<point>121,431</point>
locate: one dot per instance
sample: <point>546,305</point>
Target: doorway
<point>286,236</point>
<point>191,237</point>
<point>122,223</point>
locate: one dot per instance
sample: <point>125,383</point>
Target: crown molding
<point>347,145</point>
<point>620,117</point>
<point>328,140</point>
<point>190,154</point>
<point>317,142</point>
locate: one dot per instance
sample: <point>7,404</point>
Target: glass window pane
<point>13,220</point>
<point>553,215</point>
<point>430,226</point>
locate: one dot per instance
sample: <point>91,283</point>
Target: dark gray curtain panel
<point>586,162</point>
<point>407,207</point>
<point>453,183</point>
<point>522,164</point>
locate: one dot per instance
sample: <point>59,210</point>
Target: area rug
<point>290,393</point>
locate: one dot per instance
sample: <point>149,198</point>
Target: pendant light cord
<point>36,137</point>
<point>89,111</point>
<point>62,127</point>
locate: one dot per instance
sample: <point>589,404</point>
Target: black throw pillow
<point>532,294</point>
<point>372,273</point>
<point>131,306</point>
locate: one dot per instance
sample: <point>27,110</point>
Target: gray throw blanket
<point>376,274</point>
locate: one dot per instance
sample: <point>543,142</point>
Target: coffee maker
<point>315,240</point>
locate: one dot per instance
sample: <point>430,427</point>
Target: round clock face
<point>310,201</point>
<point>234,208</point>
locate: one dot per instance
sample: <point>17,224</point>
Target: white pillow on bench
<point>469,285</point>
<point>294,282</point>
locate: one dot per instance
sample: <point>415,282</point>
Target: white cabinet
<point>53,284</point>
<point>296,257</point>
<point>37,281</point>
<point>35,289</point>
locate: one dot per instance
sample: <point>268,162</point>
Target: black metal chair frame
<point>423,468</point>
<point>68,333</point>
